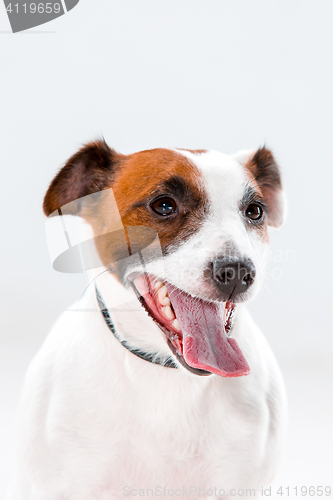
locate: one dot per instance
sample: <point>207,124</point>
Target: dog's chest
<point>173,433</point>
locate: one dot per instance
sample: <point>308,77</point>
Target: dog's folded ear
<point>90,170</point>
<point>262,165</point>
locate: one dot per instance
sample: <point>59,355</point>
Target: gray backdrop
<point>219,74</point>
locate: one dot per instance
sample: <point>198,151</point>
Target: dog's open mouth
<point>195,330</point>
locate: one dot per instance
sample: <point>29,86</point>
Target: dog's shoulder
<point>69,362</point>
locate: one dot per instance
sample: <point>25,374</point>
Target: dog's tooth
<point>175,325</point>
<point>168,312</point>
<point>162,293</point>
<point>157,285</point>
<point>165,301</point>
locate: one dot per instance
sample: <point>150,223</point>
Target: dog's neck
<point>150,357</point>
<point>131,321</point>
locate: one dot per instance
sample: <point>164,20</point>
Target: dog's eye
<point>254,212</point>
<point>164,206</point>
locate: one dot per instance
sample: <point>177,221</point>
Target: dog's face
<point>210,212</point>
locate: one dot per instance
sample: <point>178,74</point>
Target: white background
<point>218,74</point>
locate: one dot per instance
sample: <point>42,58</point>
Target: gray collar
<point>152,358</point>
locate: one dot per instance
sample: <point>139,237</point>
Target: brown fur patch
<point>264,169</point>
<point>147,175</point>
<point>193,151</point>
<point>136,180</point>
<point>88,171</point>
<point>265,172</point>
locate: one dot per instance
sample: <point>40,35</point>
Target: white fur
<point>95,419</point>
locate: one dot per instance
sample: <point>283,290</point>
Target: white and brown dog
<point>169,388</point>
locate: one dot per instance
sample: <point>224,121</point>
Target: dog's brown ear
<point>90,170</point>
<point>263,167</point>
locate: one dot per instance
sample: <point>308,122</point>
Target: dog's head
<point>210,212</point>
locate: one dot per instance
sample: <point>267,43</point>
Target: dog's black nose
<point>233,277</point>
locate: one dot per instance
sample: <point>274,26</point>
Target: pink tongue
<point>205,343</point>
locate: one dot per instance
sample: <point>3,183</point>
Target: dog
<point>160,383</point>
